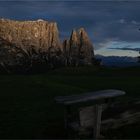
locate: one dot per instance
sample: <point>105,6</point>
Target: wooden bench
<point>89,116</point>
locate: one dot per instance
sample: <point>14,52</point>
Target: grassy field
<point>28,110</point>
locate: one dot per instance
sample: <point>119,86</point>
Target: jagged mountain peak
<point>81,30</point>
<point>74,37</point>
<point>84,36</point>
<point>79,48</point>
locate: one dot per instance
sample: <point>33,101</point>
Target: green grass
<point>27,107</point>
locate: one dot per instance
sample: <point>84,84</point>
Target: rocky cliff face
<point>78,49</point>
<point>40,35</point>
<point>27,43</point>
<point>37,41</point>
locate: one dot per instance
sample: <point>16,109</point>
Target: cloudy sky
<point>113,26</point>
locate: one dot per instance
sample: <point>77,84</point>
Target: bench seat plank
<point>91,96</point>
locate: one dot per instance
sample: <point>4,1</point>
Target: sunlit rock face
<point>40,35</point>
<point>78,49</point>
<point>25,44</point>
<point>38,40</point>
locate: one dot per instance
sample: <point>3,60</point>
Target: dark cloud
<point>103,20</point>
<point>128,49</point>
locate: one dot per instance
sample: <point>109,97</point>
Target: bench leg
<point>97,126</point>
<point>67,115</point>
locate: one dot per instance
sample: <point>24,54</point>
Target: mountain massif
<point>25,44</point>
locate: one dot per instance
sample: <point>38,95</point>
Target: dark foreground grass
<point>27,107</point>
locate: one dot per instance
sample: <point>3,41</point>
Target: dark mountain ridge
<point>118,61</point>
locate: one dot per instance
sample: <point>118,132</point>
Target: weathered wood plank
<point>91,96</point>
<point>90,117</point>
<point>96,132</point>
<point>87,116</point>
